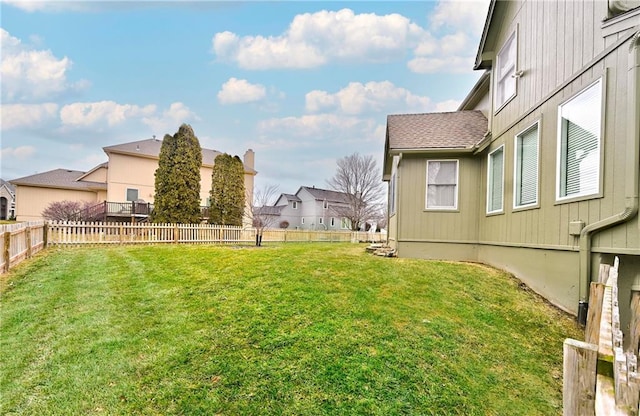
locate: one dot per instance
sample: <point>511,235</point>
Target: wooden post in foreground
<point>6,255</point>
<point>634,335</point>
<point>579,381</point>
<point>594,314</point>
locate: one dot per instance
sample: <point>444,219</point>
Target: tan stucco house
<point>537,173</point>
<point>128,175</point>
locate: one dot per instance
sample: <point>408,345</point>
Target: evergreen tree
<point>177,179</point>
<point>227,191</point>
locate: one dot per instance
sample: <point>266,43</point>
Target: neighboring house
<point>128,175</point>
<point>312,208</point>
<point>537,173</point>
<point>7,200</point>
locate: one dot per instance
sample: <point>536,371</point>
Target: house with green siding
<point>537,172</point>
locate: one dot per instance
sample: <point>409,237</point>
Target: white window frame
<point>456,187</point>
<point>490,188</point>
<point>517,164</point>
<point>562,194</point>
<point>510,71</point>
<point>320,220</point>
<point>294,204</point>
<point>301,220</point>
<point>344,223</point>
<point>325,204</point>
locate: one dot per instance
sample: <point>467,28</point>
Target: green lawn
<point>299,329</point>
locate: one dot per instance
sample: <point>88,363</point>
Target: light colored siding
<point>548,58</point>
<point>416,223</point>
<point>31,201</point>
<point>99,175</point>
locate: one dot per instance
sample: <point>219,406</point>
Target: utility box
<point>575,227</point>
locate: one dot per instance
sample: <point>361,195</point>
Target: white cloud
<point>445,106</point>
<point>236,91</point>
<point>451,64</point>
<point>29,74</point>
<point>466,15</point>
<point>26,115</point>
<point>171,119</point>
<point>21,152</point>
<point>89,114</point>
<point>313,39</point>
<point>357,98</point>
<point>316,39</point>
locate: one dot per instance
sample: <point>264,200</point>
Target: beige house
<point>537,173</point>
<point>128,175</point>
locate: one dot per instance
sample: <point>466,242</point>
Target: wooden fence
<point>20,241</point>
<point>600,378</point>
<point>82,233</point>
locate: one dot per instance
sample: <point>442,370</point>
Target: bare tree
<point>70,211</point>
<point>358,177</point>
<point>262,213</point>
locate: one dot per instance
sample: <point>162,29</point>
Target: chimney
<point>249,159</point>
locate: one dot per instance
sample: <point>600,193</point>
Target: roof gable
<point>325,194</point>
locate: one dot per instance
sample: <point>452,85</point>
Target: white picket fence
<point>83,233</point>
<point>20,241</point>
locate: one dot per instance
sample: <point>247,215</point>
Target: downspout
<point>632,173</point>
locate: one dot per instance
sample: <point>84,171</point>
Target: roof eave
<point>437,150</point>
<point>481,61</point>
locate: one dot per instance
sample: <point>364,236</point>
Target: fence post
<point>6,255</point>
<point>176,234</point>
<point>635,322</point>
<point>27,232</point>
<point>579,382</point>
<point>594,314</point>
<point>45,234</point>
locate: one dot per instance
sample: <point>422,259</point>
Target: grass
<point>300,329</point>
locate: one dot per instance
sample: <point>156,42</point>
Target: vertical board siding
<point>555,42</point>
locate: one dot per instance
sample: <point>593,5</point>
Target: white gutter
<point>632,178</point>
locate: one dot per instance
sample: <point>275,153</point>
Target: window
<point>495,179</point>
<point>506,71</point>
<point>294,204</point>
<point>442,184</point>
<point>132,194</point>
<point>325,205</point>
<point>302,220</point>
<point>345,223</point>
<point>320,220</point>
<point>333,222</point>
<point>579,131</point>
<point>525,176</point>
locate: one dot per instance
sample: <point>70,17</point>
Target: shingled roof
<point>325,194</point>
<point>151,148</point>
<point>453,130</point>
<point>59,178</point>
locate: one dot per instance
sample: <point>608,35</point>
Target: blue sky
<point>301,83</point>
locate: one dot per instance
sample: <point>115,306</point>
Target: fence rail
<point>82,233</point>
<point>21,241</point>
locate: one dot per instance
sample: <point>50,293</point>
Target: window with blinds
<point>506,69</point>
<point>580,122</point>
<point>525,179</point>
<point>495,180</point>
<point>442,184</point>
